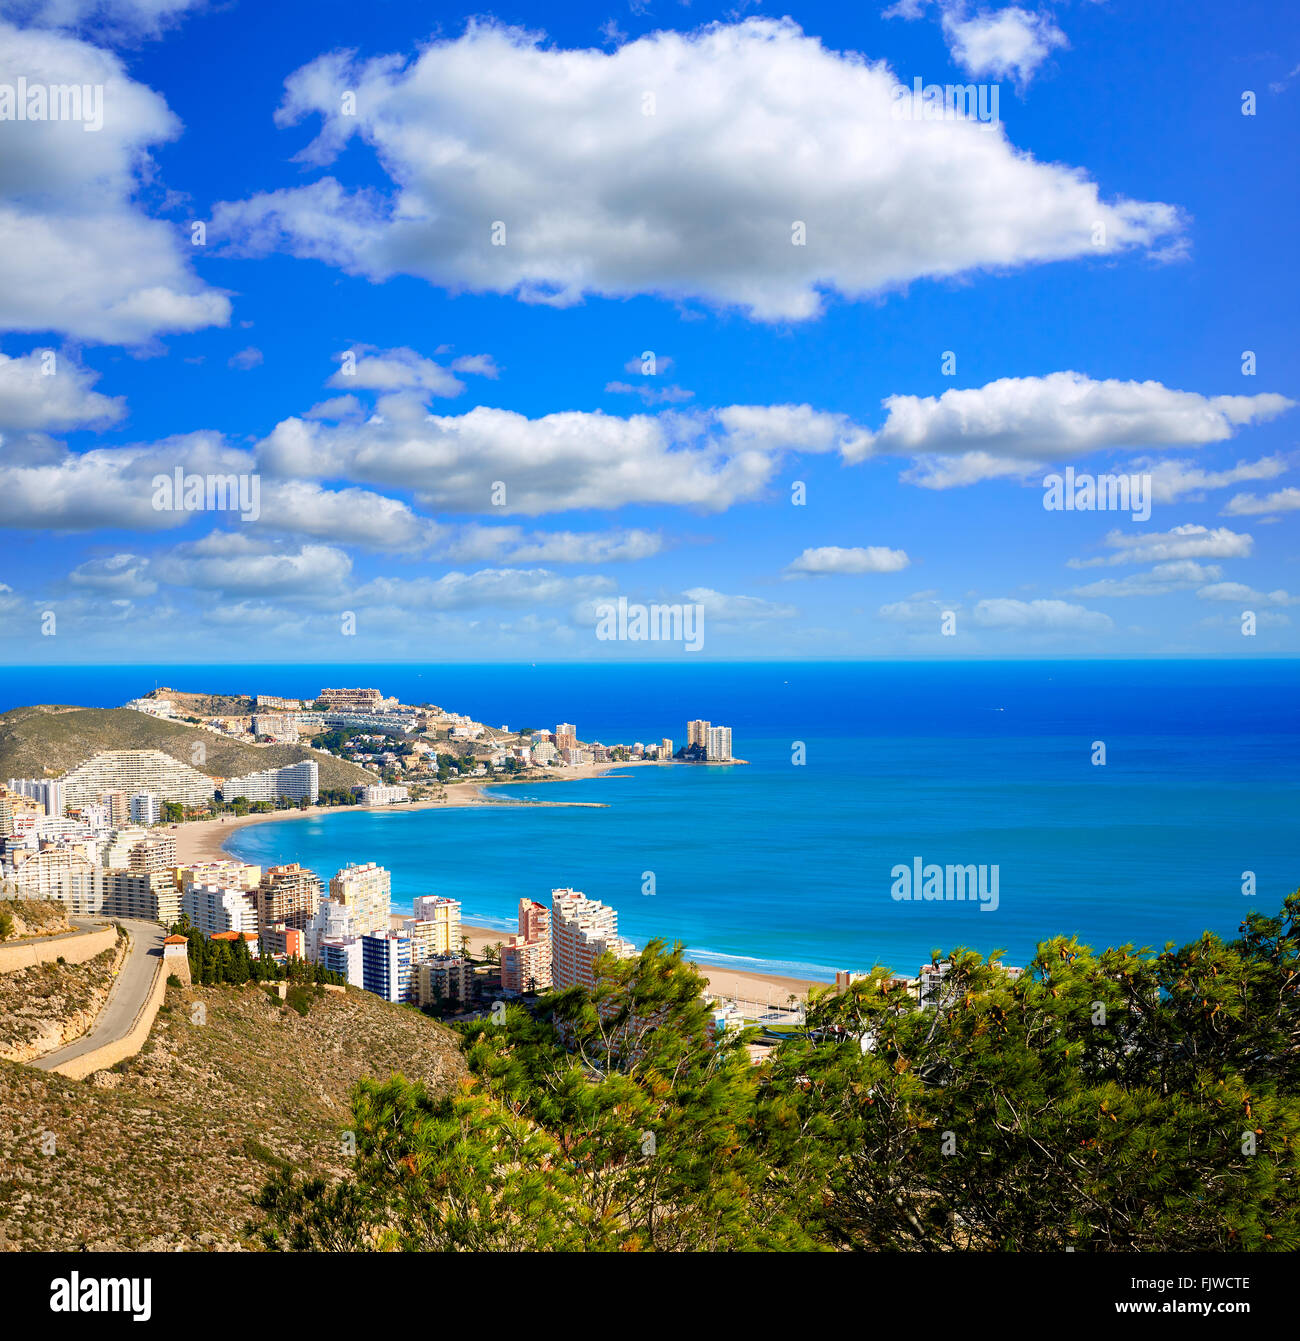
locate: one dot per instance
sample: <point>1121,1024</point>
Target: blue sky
<point>973,307</point>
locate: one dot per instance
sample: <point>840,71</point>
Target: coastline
<point>205,840</point>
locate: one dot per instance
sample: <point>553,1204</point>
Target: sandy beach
<point>204,840</point>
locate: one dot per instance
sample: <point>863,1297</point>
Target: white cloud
<point>118,575</point>
<point>1039,616</point>
<point>485,588</point>
<point>573,459</point>
<point>77,253</point>
<point>999,42</point>
<point>1249,505</point>
<point>1237,592</point>
<point>1012,425</point>
<point>108,487</point>
<point>56,401</point>
<point>834,559</point>
<point>920,608</point>
<point>1183,542</point>
<point>127,19</point>
<point>1172,480</point>
<point>246,359</point>
<point>1163,578</point>
<point>1002,43</point>
<point>240,565</point>
<point>346,516</point>
<point>755,126</point>
<point>737,609</point>
<point>513,544</point>
<point>397,370</point>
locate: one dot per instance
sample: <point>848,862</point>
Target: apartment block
<point>582,929</point>
<point>445,978</point>
<point>366,892</point>
<point>386,965</point>
<point>290,894</point>
<point>132,771</point>
<point>145,808</point>
<point>64,875</point>
<point>149,895</point>
<point>343,956</point>
<point>213,908</point>
<point>697,733</point>
<point>294,782</point>
<point>444,915</point>
<point>527,958</point>
<point>717,742</point>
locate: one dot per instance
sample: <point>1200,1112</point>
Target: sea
<point>1122,802</point>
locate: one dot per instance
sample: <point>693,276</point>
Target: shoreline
<point>205,840</point>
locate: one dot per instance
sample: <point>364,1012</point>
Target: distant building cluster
<point>709,741</point>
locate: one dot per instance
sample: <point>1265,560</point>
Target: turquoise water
<point>787,868</point>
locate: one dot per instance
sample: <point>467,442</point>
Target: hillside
<point>46,739</point>
<point>166,1151</point>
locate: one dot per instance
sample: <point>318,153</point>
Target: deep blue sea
<point>786,867</point>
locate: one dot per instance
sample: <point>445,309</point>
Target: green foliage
<point>1120,1101</point>
<point>216,962</point>
<point>6,925</point>
<point>1115,1101</point>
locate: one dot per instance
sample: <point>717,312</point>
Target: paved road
<point>124,1001</point>
<point>81,925</point>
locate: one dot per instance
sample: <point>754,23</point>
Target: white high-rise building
<point>145,808</point>
<point>132,771</point>
<point>717,743</point>
<point>212,908</point>
<point>53,795</point>
<point>293,781</point>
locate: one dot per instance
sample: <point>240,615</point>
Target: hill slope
<point>166,1152</point>
<point>57,738</point>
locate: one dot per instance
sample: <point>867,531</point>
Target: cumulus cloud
<point>77,253</point>
<point>486,588</point>
<point>1003,43</point>
<point>1011,42</point>
<point>1013,425</point>
<point>107,487</point>
<point>572,459</point>
<point>512,543</point>
<point>834,559</point>
<point>232,563</point>
<point>366,368</point>
<point>47,391</point>
<point>1252,505</point>
<point>1183,542</point>
<point>347,516</point>
<point>527,169</point>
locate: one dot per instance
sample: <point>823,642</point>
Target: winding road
<point>128,995</point>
